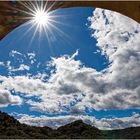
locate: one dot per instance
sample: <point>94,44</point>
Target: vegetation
<point>10,128</point>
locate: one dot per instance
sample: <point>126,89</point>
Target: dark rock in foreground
<point>11,128</point>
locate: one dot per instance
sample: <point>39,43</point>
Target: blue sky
<point>75,35</point>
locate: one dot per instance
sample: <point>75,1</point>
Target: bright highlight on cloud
<point>73,88</point>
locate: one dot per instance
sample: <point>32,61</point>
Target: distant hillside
<point>11,128</point>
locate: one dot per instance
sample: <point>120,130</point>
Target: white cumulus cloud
<point>104,123</point>
<point>22,67</point>
<point>73,87</point>
<point>7,98</point>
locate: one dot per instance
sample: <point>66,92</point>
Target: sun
<point>41,18</point>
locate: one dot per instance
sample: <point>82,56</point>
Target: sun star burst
<point>41,18</point>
